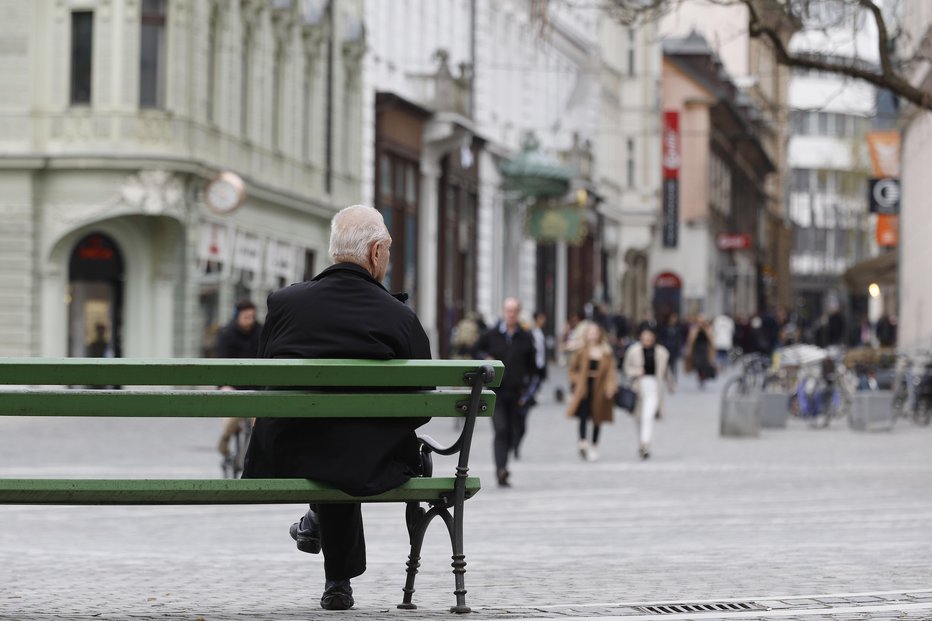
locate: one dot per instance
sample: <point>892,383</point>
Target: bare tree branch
<point>766,21</point>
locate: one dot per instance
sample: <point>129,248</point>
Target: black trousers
<point>342,540</point>
<point>506,423</point>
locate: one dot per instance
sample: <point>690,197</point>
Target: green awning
<point>535,174</point>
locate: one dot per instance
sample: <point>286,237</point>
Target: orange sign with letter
<point>888,231</point>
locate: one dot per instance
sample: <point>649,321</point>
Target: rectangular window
<point>309,260</point>
<point>245,72</point>
<point>631,49</point>
<point>801,180</point>
<point>824,118</point>
<point>629,173</point>
<point>306,108</point>
<point>212,64</point>
<point>82,45</point>
<point>277,98</point>
<point>152,55</point>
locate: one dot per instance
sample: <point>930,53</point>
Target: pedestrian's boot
<point>503,478</point>
<point>583,450</point>
<point>593,453</point>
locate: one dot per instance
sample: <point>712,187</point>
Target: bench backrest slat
<point>239,372</point>
<point>215,403</point>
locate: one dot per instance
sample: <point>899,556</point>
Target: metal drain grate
<point>670,609</point>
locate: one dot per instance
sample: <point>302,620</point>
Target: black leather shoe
<point>338,595</point>
<point>503,478</point>
<point>308,539</point>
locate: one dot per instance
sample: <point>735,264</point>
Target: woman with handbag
<point>593,374</point>
<point>646,365</point>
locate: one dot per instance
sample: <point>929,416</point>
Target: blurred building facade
<point>915,251</point>
<point>715,185</point>
<point>628,162</point>
<point>499,125</point>
<point>830,167</point>
<point>117,113</point>
<point>752,68</point>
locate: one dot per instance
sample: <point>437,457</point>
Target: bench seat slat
<point>209,491</point>
<point>239,372</point>
<point>216,403</point>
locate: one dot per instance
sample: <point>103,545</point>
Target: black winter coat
<point>233,343</point>
<point>518,357</point>
<point>342,313</point>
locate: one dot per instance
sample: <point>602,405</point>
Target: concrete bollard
<point>774,410</point>
<point>740,416</point>
<point>871,410</point>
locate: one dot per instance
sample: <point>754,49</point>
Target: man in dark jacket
<point>506,341</point>
<point>342,313</point>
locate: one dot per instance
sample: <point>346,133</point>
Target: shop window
<point>398,202</point>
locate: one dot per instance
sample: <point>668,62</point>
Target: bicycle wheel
<point>898,405</point>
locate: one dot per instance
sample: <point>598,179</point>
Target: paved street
<point>812,524</point>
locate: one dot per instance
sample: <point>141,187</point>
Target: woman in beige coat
<point>593,375</point>
<point>646,365</point>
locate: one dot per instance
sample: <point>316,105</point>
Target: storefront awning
<point>881,269</point>
<point>535,174</point>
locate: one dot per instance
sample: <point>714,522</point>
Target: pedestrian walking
<point>647,367</point>
<point>593,374</point>
<point>670,335</point>
<point>723,331</point>
<point>508,342</point>
<point>237,339</point>
<point>344,312</point>
<point>699,350</point>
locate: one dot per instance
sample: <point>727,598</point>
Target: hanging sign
<point>672,155</point>
<point>884,188</point>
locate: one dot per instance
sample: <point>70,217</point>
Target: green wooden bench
<point>354,388</point>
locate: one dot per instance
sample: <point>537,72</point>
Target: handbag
<point>626,398</point>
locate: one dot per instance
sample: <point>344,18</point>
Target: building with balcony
<point>830,167</point>
<point>706,255</point>
<point>114,117</point>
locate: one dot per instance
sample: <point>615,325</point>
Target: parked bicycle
<point>824,391</point>
<point>753,376</point>
<point>912,389</point>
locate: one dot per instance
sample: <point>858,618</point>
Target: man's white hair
<point>352,230</point>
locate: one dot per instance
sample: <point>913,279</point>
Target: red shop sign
<point>733,241</point>
<point>672,147</point>
<point>667,280</point>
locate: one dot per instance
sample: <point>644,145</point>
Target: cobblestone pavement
<point>798,524</point>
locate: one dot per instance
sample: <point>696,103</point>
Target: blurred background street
<point>800,520</point>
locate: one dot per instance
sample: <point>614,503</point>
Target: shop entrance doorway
<point>95,298</point>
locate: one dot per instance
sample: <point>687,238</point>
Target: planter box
<point>871,410</point>
<point>741,417</point>
<point>773,409</point>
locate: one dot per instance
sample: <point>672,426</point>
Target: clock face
<point>225,193</point>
